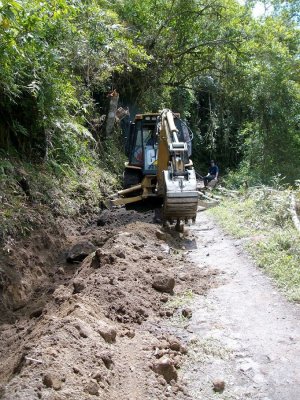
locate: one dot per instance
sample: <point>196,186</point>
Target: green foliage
<point>240,73</point>
<point>280,257</point>
<point>112,159</point>
<point>53,56</point>
<point>244,176</point>
<point>72,144</point>
<point>261,216</point>
<point>233,76</point>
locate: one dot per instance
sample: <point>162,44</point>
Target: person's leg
<point>210,178</point>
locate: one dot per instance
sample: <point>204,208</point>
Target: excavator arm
<point>176,178</point>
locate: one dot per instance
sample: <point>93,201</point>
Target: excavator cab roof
<point>151,116</point>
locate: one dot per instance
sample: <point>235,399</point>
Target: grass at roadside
<point>181,300</point>
<point>262,217</point>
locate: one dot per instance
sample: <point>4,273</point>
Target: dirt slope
<point>96,328</point>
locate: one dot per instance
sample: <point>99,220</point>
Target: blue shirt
<point>214,170</point>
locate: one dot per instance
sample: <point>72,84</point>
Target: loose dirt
<point>97,327</point>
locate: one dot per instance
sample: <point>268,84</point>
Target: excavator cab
<point>142,143</point>
<point>142,150</point>
<point>142,146</point>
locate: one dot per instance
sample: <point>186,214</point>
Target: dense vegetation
<point>234,76</point>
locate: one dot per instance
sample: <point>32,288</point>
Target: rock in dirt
<point>102,257</point>
<point>130,334</point>
<point>165,248</point>
<point>80,251</point>
<point>120,252</point>
<point>52,381</point>
<point>83,331</point>
<point>61,294</point>
<point>174,343</point>
<point>183,277</point>
<point>164,283</point>
<point>79,285</point>
<point>98,376</point>
<point>187,313</point>
<point>160,235</point>
<point>164,366</point>
<point>218,385</point>
<point>164,298</point>
<point>77,370</point>
<point>92,388</point>
<point>36,313</point>
<point>106,357</point>
<point>108,333</point>
<point>127,332</point>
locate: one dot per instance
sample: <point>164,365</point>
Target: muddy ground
<point>87,311</point>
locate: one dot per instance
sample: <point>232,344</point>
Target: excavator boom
<point>176,179</point>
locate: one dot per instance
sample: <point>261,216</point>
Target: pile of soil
<point>92,326</point>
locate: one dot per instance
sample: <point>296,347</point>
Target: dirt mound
<point>90,335</point>
<point>121,216</point>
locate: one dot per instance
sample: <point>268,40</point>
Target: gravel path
<point>244,331</point>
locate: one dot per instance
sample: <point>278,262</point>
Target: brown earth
<point>95,328</point>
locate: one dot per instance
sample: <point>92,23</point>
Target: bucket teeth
<point>183,207</point>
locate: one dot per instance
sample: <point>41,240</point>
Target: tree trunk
<point>47,133</point>
<point>113,106</point>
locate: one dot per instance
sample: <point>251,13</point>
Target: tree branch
<point>217,42</point>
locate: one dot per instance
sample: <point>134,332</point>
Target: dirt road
<point>244,331</point>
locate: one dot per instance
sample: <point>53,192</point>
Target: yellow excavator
<point>158,147</point>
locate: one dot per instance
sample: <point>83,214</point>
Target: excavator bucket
<point>181,197</point>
